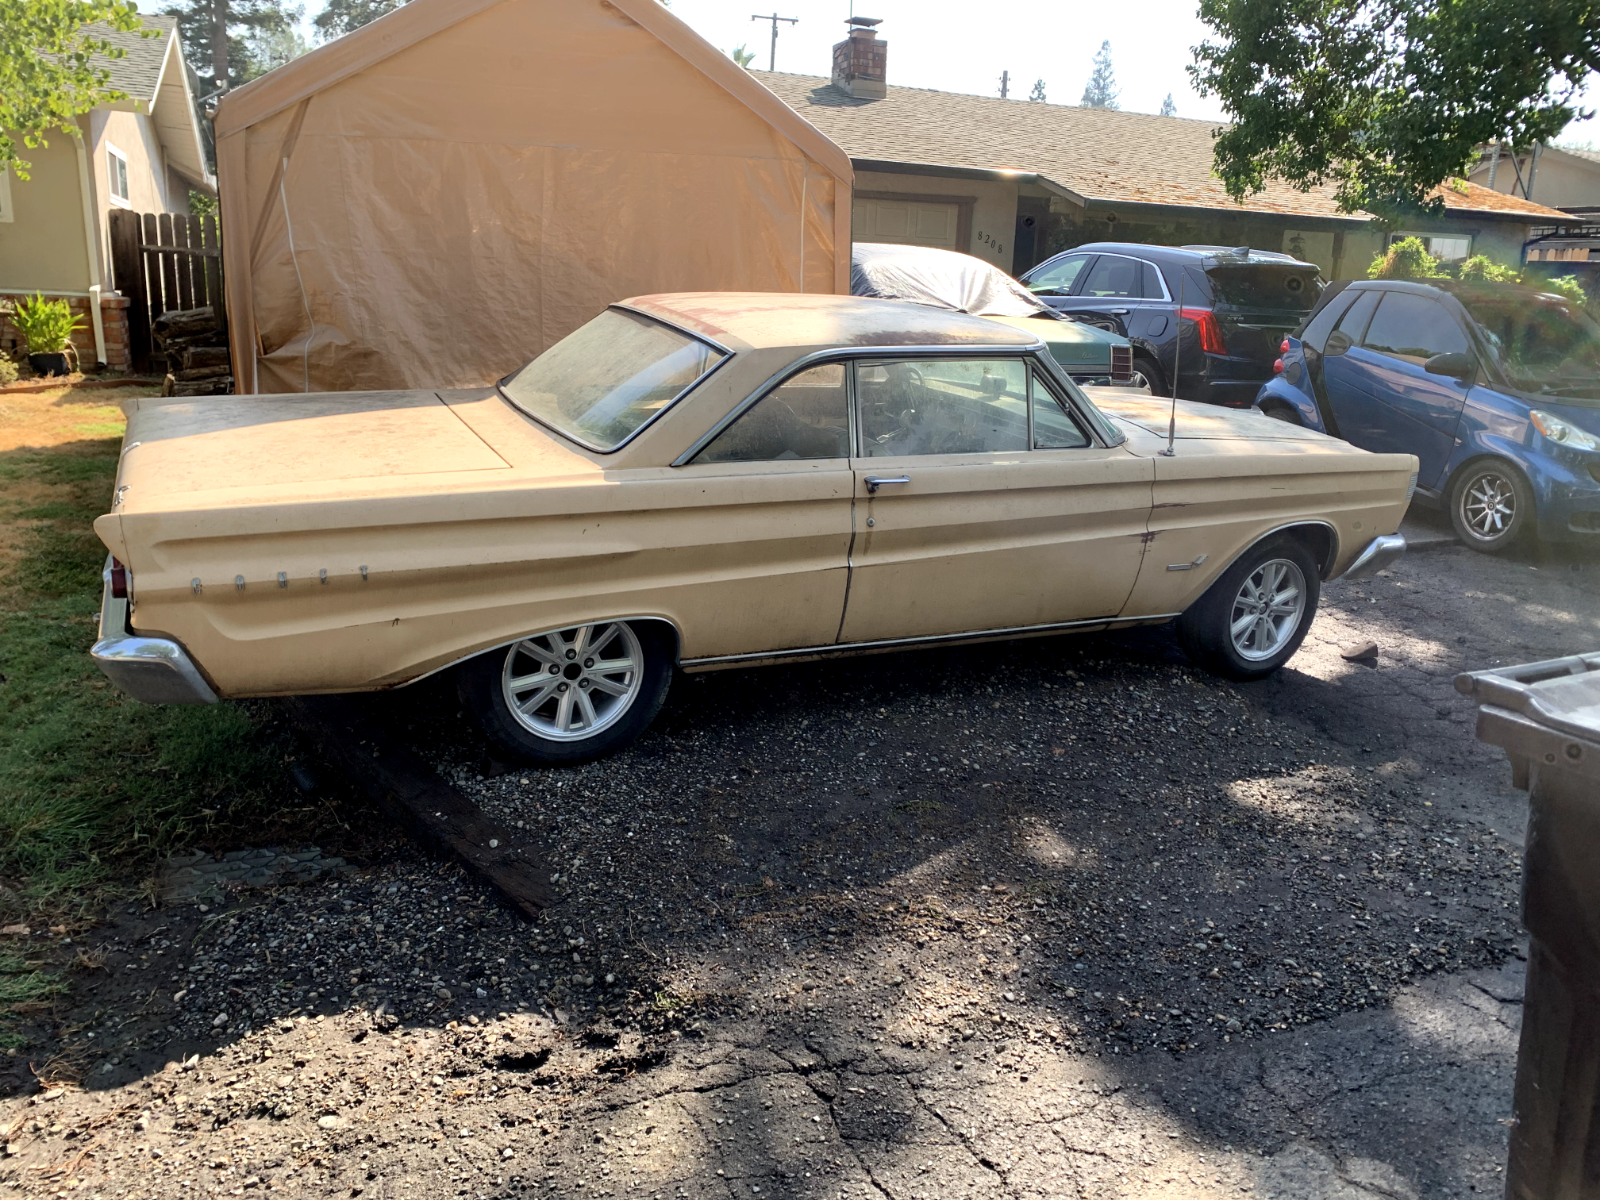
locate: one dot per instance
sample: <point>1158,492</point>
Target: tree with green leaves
<point>52,68</point>
<point>229,42</point>
<point>742,56</point>
<point>1168,108</point>
<point>1388,99</point>
<point>1101,90</point>
<point>343,16</point>
<point>1038,91</point>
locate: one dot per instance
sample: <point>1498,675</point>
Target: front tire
<point>570,695</point>
<point>1491,506</point>
<point>1254,617</point>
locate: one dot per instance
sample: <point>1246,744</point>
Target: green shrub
<point>1563,285</point>
<point>8,370</point>
<point>46,325</point>
<point>1406,259</point>
<point>1480,268</point>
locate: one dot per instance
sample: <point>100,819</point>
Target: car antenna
<point>1177,351</point>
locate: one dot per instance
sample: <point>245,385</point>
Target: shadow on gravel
<point>1053,916</point>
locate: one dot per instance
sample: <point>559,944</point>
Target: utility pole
<point>772,63</point>
<point>1005,83</point>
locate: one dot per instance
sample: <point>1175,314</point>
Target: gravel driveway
<point>1062,917</point>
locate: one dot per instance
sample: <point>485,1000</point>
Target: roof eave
<point>176,117</point>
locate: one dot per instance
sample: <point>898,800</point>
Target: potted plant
<point>47,327</point>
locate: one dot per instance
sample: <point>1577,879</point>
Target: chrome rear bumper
<point>1380,553</point>
<point>154,670</point>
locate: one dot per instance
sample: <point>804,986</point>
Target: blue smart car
<point>1494,387</point>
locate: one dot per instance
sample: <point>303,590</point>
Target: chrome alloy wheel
<point>570,684</point>
<point>1488,504</point>
<point>1267,610</point>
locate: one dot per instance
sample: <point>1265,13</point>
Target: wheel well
<point>1318,539</point>
<point>671,631</point>
<point>1276,403</point>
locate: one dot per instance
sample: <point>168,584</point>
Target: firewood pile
<point>196,345</point>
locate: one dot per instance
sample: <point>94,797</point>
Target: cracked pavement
<point>858,930</point>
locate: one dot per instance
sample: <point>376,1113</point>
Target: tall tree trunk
<point>219,44</point>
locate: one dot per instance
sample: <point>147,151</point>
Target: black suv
<point>1219,314</point>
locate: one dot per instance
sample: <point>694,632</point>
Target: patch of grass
<point>94,786</point>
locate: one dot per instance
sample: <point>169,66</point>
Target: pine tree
<point>1101,90</point>
<point>343,16</point>
<point>229,42</point>
<point>1168,108</point>
<point>1038,91</point>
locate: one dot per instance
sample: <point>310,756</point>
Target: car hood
<point>1139,412</point>
<point>1069,342</point>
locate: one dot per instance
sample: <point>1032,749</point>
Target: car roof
<point>803,321</point>
<point>1460,289</point>
<point>1191,254</point>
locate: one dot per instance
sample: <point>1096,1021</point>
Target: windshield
<point>1543,343</point>
<point>603,383</point>
<point>1259,285</point>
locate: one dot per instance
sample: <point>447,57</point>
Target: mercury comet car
<point>704,481</point>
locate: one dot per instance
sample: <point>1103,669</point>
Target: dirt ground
<point>1064,917</point>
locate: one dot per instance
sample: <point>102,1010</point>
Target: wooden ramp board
<point>433,812</point>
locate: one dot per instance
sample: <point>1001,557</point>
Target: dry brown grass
<point>39,420</point>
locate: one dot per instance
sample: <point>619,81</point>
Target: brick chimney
<point>860,62</point>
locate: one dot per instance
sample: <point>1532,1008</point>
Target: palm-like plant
<point>46,326</point>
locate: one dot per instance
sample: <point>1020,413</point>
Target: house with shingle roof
<point>145,153</point>
<point>1015,181</point>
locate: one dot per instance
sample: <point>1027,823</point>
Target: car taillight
<point>1283,347</point>
<point>1210,332</point>
<point>119,580</point>
<point>1277,366</point>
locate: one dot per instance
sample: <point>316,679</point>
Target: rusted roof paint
<point>1098,154</point>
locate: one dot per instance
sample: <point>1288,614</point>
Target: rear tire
<point>1283,412</point>
<point>1147,375</point>
<point>1254,617</point>
<point>570,695</point>
<point>1491,506</point>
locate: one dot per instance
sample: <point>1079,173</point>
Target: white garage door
<point>906,222</point>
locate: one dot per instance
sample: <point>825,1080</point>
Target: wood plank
<point>152,267</point>
<point>169,268</point>
<point>433,812</point>
<point>212,248</point>
<point>127,276</point>
<point>182,264</point>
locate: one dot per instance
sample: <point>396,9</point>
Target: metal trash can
<point>1546,716</point>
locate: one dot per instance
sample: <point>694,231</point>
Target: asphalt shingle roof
<point>138,72</point>
<point>1097,153</point>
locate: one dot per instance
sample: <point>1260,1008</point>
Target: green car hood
<point>1074,345</point>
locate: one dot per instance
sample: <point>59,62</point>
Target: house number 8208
<point>985,239</point>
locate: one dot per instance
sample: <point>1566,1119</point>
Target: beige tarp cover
<point>434,199</point>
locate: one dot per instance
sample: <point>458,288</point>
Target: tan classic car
<point>702,481</point>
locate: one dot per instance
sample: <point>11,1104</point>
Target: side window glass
<point>1316,333</point>
<point>1354,322</point>
<point>1053,426</point>
<point>1057,278</point>
<point>806,416</point>
<point>1152,282</point>
<point>1114,277</point>
<point>1413,328</point>
<point>942,406</point>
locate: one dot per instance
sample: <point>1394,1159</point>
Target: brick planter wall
<point>113,315</point>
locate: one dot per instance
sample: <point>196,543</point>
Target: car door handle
<point>1119,312</point>
<point>874,482</point>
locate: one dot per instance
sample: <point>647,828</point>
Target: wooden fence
<point>163,262</point>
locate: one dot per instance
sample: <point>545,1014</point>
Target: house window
<point>6,214</point>
<point>117,173</point>
<point>1444,247</point>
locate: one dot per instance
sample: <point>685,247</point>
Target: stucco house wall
<point>993,207</point>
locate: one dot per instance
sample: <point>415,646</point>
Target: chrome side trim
<point>846,354</point>
<point>152,670</point>
<point>910,643</point>
<point>1379,553</point>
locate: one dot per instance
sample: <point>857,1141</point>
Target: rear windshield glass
<point>1543,345</point>
<point>603,383</point>
<point>1276,288</point>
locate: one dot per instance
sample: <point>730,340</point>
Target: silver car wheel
<point>1488,505</point>
<point>570,684</point>
<point>1267,610</point>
